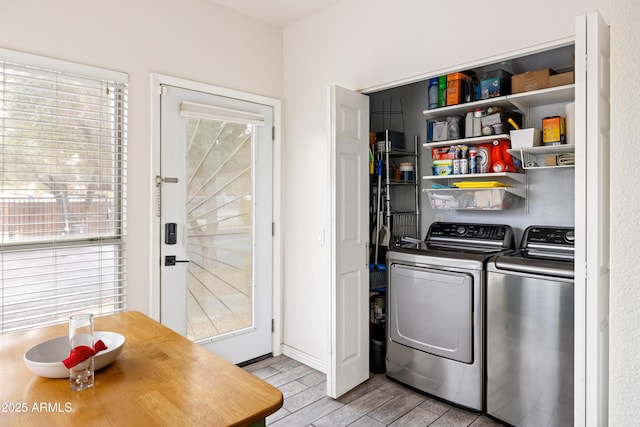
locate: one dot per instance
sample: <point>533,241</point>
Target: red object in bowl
<point>82,353</point>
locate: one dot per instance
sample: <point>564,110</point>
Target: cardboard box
<point>550,160</point>
<point>531,80</point>
<point>443,153</point>
<point>553,132</point>
<point>456,88</point>
<point>561,79</point>
<point>442,91</point>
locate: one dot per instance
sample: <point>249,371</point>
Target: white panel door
<point>349,365</point>
<point>592,221</point>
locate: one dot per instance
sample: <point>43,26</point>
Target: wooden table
<point>160,378</point>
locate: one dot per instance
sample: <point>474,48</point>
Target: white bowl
<point>45,359</point>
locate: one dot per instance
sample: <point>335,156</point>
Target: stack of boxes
<point>461,87</point>
<point>458,88</point>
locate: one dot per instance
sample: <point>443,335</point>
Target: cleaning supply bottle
<point>468,124</point>
<point>473,163</point>
<point>464,160</point>
<point>477,122</point>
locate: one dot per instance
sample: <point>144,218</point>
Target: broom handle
<point>375,261</point>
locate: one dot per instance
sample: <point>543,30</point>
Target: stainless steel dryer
<point>435,309</point>
<point>530,319</point>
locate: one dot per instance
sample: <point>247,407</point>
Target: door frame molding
<point>277,298</point>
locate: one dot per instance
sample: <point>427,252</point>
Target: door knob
<point>170,260</point>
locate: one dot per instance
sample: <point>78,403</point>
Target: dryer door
<point>432,310</point>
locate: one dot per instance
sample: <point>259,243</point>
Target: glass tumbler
<point>81,334</point>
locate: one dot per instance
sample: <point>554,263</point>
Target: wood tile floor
<point>377,402</point>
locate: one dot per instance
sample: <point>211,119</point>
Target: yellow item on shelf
<point>480,184</point>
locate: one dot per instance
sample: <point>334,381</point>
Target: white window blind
<point>62,192</point>
<point>211,112</point>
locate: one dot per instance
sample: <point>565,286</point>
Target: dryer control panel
<point>548,242</point>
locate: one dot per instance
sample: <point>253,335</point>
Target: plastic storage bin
<point>525,138</point>
<point>476,199</point>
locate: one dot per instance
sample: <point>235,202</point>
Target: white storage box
<point>525,138</point>
<point>477,199</point>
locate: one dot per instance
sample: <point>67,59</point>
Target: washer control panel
<point>470,237</point>
<point>468,231</point>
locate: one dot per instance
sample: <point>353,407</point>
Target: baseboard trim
<point>305,358</point>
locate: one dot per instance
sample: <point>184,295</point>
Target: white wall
<point>191,39</point>
<point>624,381</point>
<point>361,44</point>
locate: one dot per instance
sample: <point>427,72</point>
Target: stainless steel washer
<point>530,309</point>
<point>435,310</point>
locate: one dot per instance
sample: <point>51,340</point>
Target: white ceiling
<point>276,12</point>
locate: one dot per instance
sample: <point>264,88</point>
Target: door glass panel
<point>219,224</point>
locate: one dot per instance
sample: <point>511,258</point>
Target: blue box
<point>494,83</point>
<point>491,88</point>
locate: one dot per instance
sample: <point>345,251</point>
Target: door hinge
<point>273,325</point>
<point>273,229</point>
<point>163,90</point>
<point>273,133</point>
